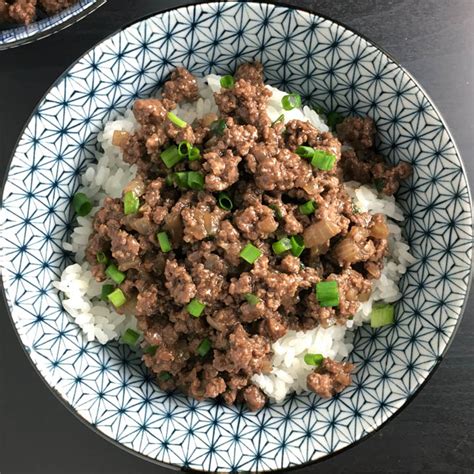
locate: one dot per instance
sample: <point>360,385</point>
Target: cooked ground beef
<point>216,350</point>
<point>361,163</point>
<point>330,377</point>
<point>26,11</point>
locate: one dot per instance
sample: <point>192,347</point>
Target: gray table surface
<point>434,40</point>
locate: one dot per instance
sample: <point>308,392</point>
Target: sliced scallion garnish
<point>176,120</point>
<point>252,300</point>
<point>164,242</point>
<point>291,101</point>
<point>225,202</point>
<point>130,337</point>
<point>115,274</point>
<point>250,253</point>
<point>307,208</point>
<point>227,81</point>
<point>313,359</point>
<point>171,156</point>
<point>117,298</point>
<point>195,308</point>
<point>131,203</point>
<point>204,347</point>
<point>297,245</point>
<point>382,315</point>
<point>323,160</point>
<point>82,204</point>
<point>282,245</point>
<point>327,293</point>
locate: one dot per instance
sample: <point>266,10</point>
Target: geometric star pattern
<point>107,385</point>
<point>47,25</point>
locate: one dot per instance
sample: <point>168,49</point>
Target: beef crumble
<point>208,315</point>
<point>26,11</point>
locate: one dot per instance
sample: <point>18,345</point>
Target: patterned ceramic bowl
<point>107,386</point>
<point>47,25</point>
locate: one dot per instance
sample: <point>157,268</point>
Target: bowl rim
<point>51,30</point>
<point>283,4</point>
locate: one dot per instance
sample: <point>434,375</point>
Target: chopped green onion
<point>250,253</point>
<point>218,126</point>
<point>225,202</point>
<point>131,203</point>
<point>105,291</point>
<point>291,101</point>
<point>164,241</point>
<point>194,154</point>
<point>195,308</point>
<point>82,204</point>
<point>164,376</point>
<point>151,350</point>
<point>323,160</point>
<point>313,359</point>
<point>170,156</point>
<point>297,245</point>
<point>130,337</point>
<point>280,119</point>
<point>115,274</point>
<point>333,118</point>
<point>227,82</point>
<point>382,315</point>
<point>179,178</point>
<point>327,293</point>
<point>282,245</point>
<point>184,148</point>
<point>204,347</point>
<point>252,300</point>
<point>186,180</point>
<point>277,211</point>
<point>307,208</point>
<point>195,180</point>
<point>117,298</point>
<point>176,120</point>
<point>102,258</point>
<point>305,152</point>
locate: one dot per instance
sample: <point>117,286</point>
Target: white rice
<point>109,176</point>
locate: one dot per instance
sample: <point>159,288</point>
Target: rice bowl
<point>303,428</point>
<point>110,175</point>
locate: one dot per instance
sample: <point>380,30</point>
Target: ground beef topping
<point>209,313</point>
<point>330,378</point>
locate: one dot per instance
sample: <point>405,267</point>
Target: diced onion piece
<point>347,251</point>
<point>136,186</point>
<point>120,138</point>
<point>319,233</point>
<point>379,230</point>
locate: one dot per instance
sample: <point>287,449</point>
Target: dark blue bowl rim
<point>440,357</point>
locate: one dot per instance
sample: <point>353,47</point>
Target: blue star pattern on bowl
<point>329,65</point>
<point>22,34</point>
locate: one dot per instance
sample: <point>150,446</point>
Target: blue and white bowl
<point>107,386</point>
<point>13,36</point>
